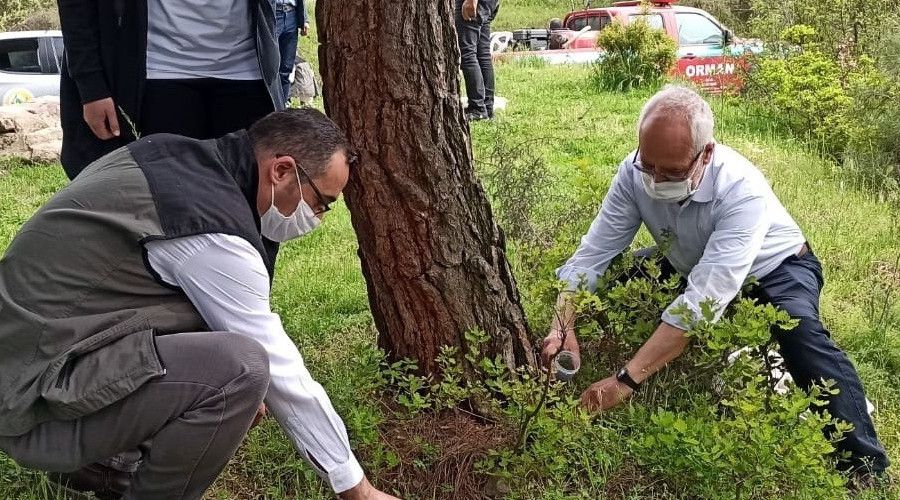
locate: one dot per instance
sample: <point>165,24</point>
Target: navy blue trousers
<point>811,356</point>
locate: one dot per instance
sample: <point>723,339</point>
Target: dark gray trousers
<point>474,39</point>
<point>195,417</point>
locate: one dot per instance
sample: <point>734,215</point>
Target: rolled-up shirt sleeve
<point>722,270</point>
<point>226,280</point>
<point>610,234</point>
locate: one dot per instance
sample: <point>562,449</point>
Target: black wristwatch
<point>626,379</point>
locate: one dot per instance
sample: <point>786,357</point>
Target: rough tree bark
<point>433,258</point>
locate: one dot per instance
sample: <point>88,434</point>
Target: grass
<point>321,296</point>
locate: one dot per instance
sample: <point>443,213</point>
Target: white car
<point>29,65</point>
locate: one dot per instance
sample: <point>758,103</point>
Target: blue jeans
<point>286,31</point>
<point>811,356</point>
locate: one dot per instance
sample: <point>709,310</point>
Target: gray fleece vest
<point>79,306</point>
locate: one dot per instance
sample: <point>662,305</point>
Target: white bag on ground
<point>779,373</point>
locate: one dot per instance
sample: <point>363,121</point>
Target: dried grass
<point>438,452</point>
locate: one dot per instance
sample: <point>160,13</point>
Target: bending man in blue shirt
<point>724,224</point>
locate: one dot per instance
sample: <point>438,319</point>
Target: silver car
<point>29,65</point>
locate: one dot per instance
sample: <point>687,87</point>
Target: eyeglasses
<point>323,202</point>
<point>638,164</point>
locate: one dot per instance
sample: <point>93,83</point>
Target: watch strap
<point>626,379</point>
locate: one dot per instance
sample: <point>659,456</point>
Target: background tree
<point>433,258</point>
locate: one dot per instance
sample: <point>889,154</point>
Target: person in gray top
<point>134,68</point>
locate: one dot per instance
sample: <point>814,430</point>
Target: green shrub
<point>805,92</point>
<point>873,148</point>
<point>534,211</point>
<point>748,453</point>
<point>702,428</point>
<point>849,110</point>
<point>634,56</point>
<point>14,12</point>
<point>847,27</point>
<point>887,53</point>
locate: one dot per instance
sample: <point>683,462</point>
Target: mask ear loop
<point>299,185</point>
<point>299,188</point>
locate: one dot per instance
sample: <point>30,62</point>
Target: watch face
<point>626,379</point>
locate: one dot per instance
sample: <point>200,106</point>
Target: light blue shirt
<point>733,227</point>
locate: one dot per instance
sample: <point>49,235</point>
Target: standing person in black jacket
<point>133,67</point>
<point>473,28</point>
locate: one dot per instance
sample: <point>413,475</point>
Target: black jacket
<point>106,55</point>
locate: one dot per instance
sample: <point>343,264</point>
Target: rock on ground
<point>31,131</point>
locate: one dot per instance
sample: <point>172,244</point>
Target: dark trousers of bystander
<point>202,108</point>
<point>475,56</point>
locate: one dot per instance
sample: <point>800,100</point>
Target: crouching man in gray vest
<point>134,310</point>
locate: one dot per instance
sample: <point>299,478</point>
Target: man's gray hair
<point>684,103</point>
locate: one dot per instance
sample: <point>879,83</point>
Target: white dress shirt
<point>226,280</point>
<point>731,228</point>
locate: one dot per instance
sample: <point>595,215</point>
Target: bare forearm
<point>666,344</point>
<point>564,320</point>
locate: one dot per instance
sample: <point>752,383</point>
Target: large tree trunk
<point>433,258</point>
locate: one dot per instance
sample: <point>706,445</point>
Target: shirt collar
<point>237,157</point>
<point>707,189</point>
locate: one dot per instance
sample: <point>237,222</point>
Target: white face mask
<point>668,191</point>
<point>278,227</point>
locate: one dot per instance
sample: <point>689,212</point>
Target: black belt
<point>285,7</point>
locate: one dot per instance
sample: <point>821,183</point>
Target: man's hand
<point>604,395</point>
<point>365,491</point>
<point>554,341</point>
<point>260,414</point>
<point>469,10</point>
<point>102,119</point>
<point>304,31</point>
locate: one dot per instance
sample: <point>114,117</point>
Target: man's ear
<point>282,168</point>
<point>708,152</point>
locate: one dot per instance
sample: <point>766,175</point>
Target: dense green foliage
<point>706,427</point>
<point>635,55</point>
<point>842,26</point>
<point>28,15</point>
<point>848,110</point>
<point>546,163</point>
